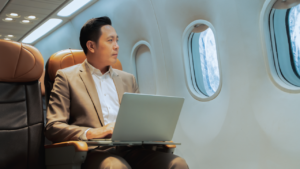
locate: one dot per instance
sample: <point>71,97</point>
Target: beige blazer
<point>74,104</point>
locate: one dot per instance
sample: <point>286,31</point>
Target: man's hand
<point>102,132</point>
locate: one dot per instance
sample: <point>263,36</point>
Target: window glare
<point>209,61</point>
<point>294,29</point>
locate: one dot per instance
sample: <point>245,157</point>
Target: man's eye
<point>110,40</point>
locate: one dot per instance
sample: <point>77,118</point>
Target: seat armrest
<point>170,146</point>
<point>167,148</point>
<point>66,155</point>
<point>78,145</point>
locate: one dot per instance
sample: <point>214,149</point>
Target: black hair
<point>91,30</point>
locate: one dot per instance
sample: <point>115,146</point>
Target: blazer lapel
<point>88,81</point>
<point>118,83</point>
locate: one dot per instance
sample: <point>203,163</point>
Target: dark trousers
<point>132,158</point>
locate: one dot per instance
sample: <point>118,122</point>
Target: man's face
<point>107,48</point>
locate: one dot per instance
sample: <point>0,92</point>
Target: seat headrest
<point>19,62</point>
<point>67,58</point>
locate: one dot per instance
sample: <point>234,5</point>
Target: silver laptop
<point>146,118</point>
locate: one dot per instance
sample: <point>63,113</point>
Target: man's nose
<point>116,46</point>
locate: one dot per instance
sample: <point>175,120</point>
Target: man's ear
<point>91,46</point>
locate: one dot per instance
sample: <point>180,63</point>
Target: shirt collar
<point>96,71</point>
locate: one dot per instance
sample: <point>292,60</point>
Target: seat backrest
<point>21,116</point>
<point>61,60</point>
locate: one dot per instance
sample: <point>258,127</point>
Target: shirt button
<point>104,94</point>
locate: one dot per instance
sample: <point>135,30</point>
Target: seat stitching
<point>21,127</point>
<point>73,56</point>
<point>18,61</point>
<point>32,66</point>
<point>62,59</point>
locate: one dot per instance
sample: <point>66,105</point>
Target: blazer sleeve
<point>58,113</point>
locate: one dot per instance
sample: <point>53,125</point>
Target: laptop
<point>145,118</point>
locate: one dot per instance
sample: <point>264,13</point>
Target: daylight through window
<point>294,30</point>
<point>205,62</point>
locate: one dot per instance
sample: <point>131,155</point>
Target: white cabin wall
<point>251,124</point>
<point>134,22</point>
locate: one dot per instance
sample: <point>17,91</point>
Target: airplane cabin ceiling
<point>39,8</point>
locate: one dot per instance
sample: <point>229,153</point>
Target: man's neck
<point>97,65</point>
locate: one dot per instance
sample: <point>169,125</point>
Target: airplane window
<point>285,38</point>
<point>294,30</point>
<point>205,62</point>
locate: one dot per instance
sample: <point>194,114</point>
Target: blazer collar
<point>119,85</point>
<point>94,70</point>
<point>114,74</point>
<point>88,81</point>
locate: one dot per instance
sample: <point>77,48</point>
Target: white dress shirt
<point>107,94</point>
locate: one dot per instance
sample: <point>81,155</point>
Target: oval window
<point>205,62</point>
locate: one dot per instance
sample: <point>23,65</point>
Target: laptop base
<point>131,143</point>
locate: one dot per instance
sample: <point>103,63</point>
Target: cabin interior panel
<point>251,123</point>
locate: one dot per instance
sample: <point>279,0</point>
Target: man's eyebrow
<point>112,37</point>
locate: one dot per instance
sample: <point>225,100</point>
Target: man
<point>85,100</point>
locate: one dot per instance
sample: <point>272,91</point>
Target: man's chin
<point>114,60</point>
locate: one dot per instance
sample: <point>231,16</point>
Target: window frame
<point>189,66</point>
<point>195,71</point>
<point>282,52</point>
<point>269,50</point>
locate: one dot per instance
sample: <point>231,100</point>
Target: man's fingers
<point>108,136</point>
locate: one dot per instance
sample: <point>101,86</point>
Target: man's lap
<point>135,158</point>
<point>102,159</point>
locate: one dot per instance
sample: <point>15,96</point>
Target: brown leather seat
<point>21,117</point>
<point>64,59</point>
